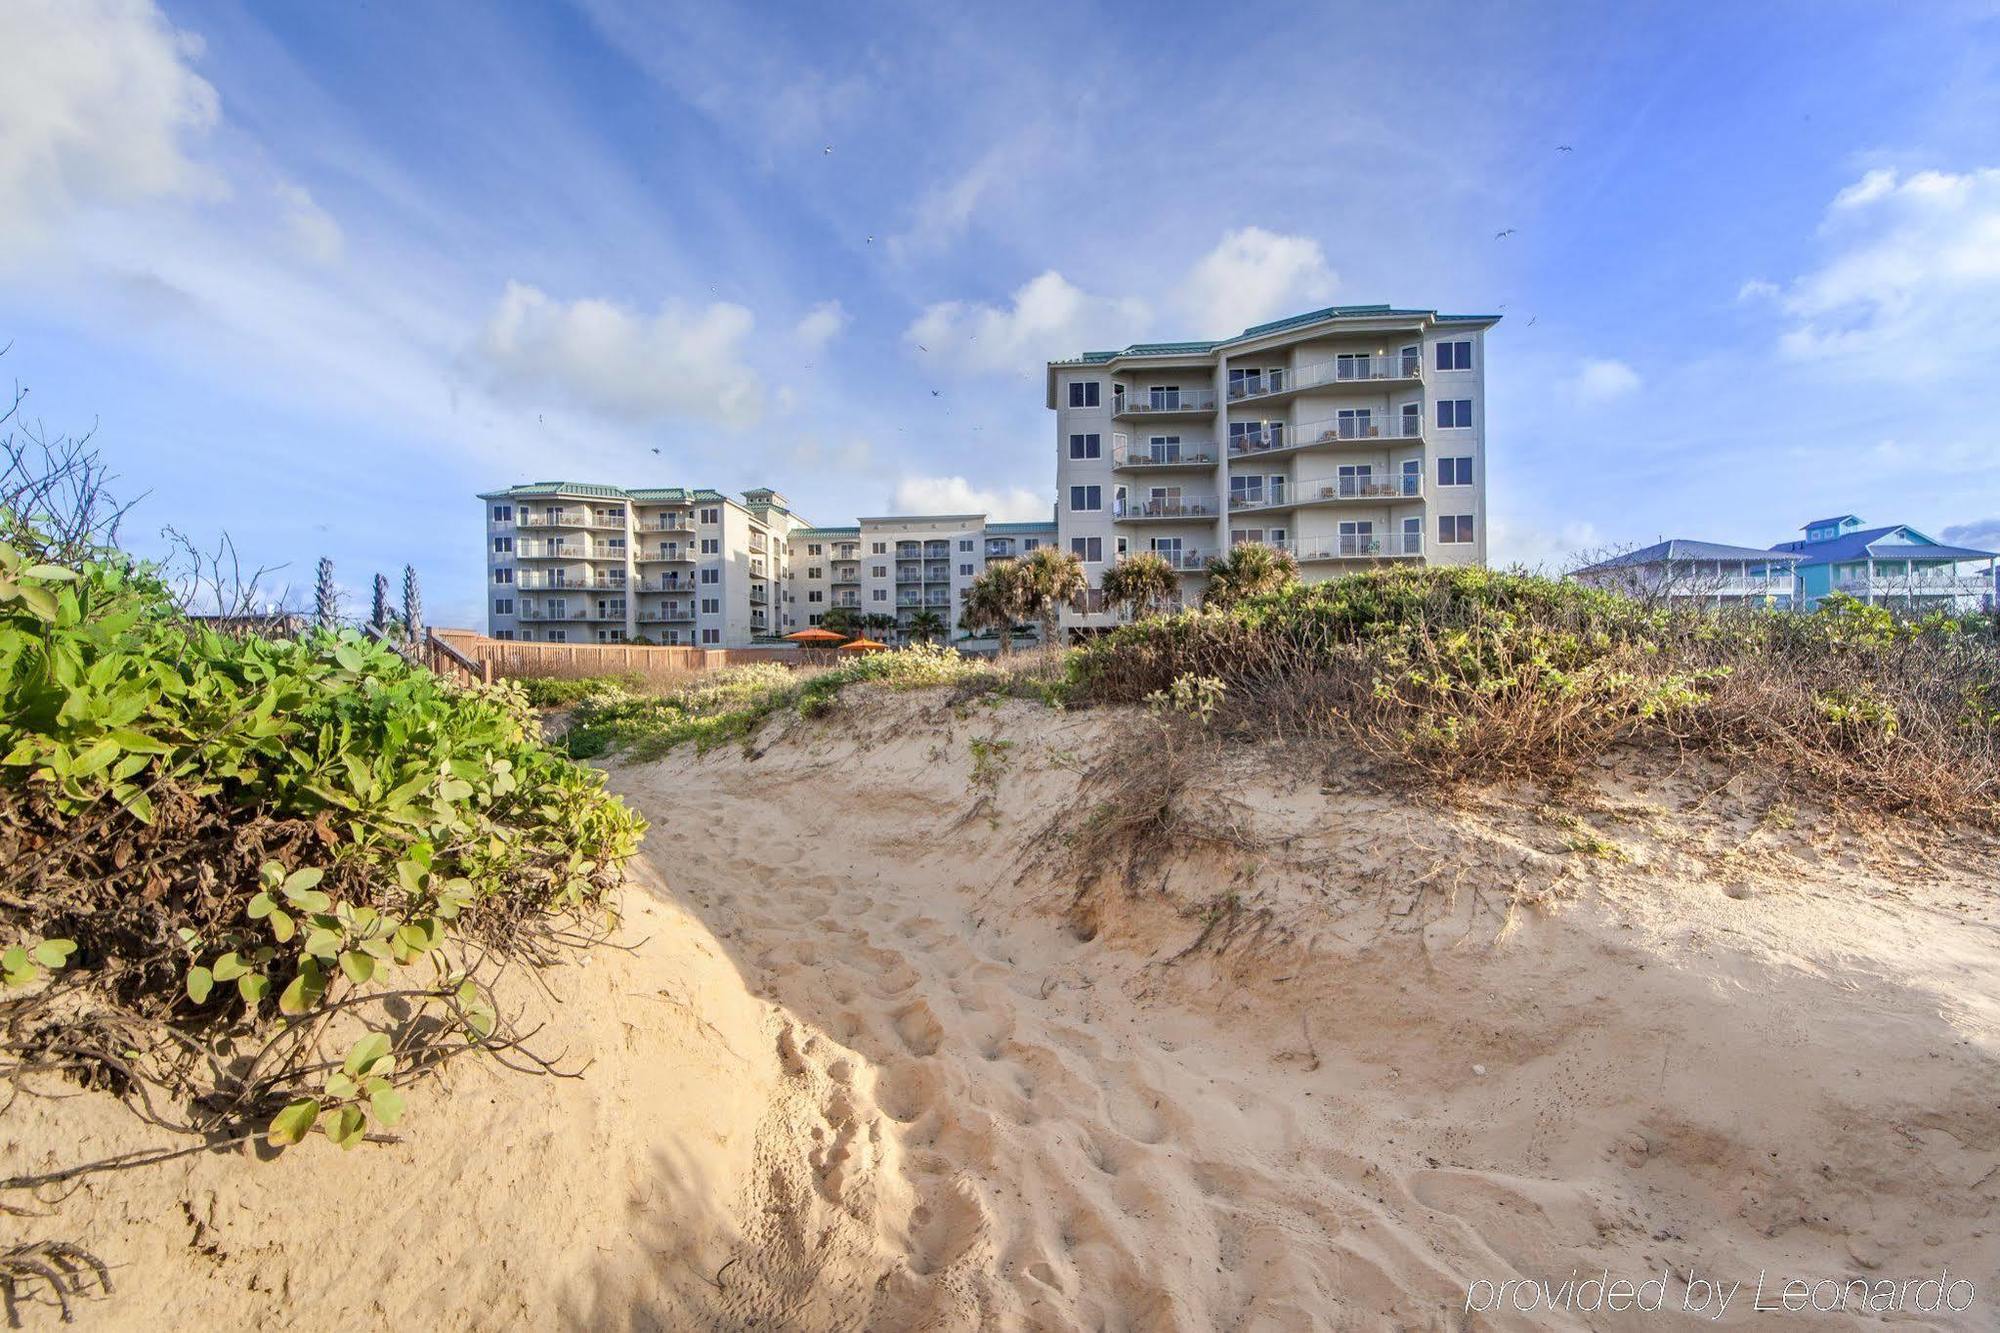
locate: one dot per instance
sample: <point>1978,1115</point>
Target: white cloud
<point>683,361</point>
<point>1937,458</point>
<point>1602,381</point>
<point>1049,318</point>
<point>821,324</point>
<point>1982,534</point>
<point>1757,289</point>
<point>313,230</point>
<point>1252,276</point>
<point>956,495</point>
<point>1536,547</point>
<point>99,100</point>
<point>1911,290</point>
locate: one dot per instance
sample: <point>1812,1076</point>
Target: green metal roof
<point>1020,529</point>
<point>594,490</point>
<point>826,532</point>
<point>1274,326</point>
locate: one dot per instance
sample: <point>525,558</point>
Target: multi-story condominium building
<point>1890,566</point>
<point>1349,436</point>
<point>900,565</point>
<point>576,563</point>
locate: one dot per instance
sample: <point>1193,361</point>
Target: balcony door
<point>1165,448</point>
<point>1169,548</point>
<point>1165,397</point>
<point>1413,536</point>
<point>1357,537</point>
<point>1163,500</point>
<point>1357,479</point>
<point>1357,423</point>
<point>1413,477</point>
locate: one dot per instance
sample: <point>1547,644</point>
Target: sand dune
<point>882,1055</point>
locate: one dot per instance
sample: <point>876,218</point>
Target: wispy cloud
<point>313,230</point>
<point>682,361</point>
<point>1252,276</point>
<point>956,495</point>
<point>1602,381</point>
<point>1049,317</point>
<point>821,324</point>
<point>101,101</point>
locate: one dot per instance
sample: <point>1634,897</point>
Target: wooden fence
<point>497,659</point>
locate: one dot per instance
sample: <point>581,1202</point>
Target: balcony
<point>1363,430</point>
<point>1184,560</point>
<point>1002,549</point>
<point>552,551</point>
<point>666,525</point>
<point>573,519</point>
<point>531,580</point>
<point>1165,508</point>
<point>667,583</point>
<point>1378,487</point>
<point>936,601</point>
<point>1362,546</point>
<point>907,599</point>
<point>938,573</point>
<point>846,574</point>
<point>1164,455</point>
<point>850,602</point>
<point>667,553</point>
<point>1342,371</point>
<point>1159,404</point>
<point>759,596</point>
<point>1916,585</point>
<point>668,615</point>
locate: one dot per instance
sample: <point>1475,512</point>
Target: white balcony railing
<point>1165,453</point>
<point>552,551</point>
<point>1162,402</point>
<point>1165,506</point>
<point>1343,369</point>
<point>1185,560</point>
<point>1360,426</point>
<point>1917,585</point>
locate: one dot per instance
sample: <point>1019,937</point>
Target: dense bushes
<point>236,850</point>
<point>1453,674</point>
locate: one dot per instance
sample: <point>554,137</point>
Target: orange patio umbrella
<point>815,635</point>
<point>864,646</point>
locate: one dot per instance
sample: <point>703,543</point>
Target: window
<point>815,597</point>
<point>503,575</point>
<point>1033,543</point>
<point>711,516</point>
<point>503,606</point>
<point>1413,536</point>
<point>879,594</point>
<point>1245,489</point>
<point>1454,413</point>
<point>503,545</point>
<point>812,548</point>
<point>711,575</point>
<point>1083,393</point>
<point>611,636</point>
<point>965,571</point>
<point>558,636</point>
<point>965,544</point>
<point>1164,397</point>
<point>1454,528</point>
<point>1455,471</point>
<point>1088,549</point>
<point>711,546</point>
<point>504,635</point>
<point>711,636</point>
<point>711,606</point>
<point>1084,499</point>
<point>503,513</point>
<point>1084,446</point>
<point>878,571</point>
<point>813,571</point>
<point>1455,355</point>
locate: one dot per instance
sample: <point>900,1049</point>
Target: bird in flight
<point>1503,235</point>
<point>1532,319</point>
<point>871,240</point>
<point>656,451</point>
<point>829,148</point>
<point>922,348</point>
<point>1564,148</point>
<point>936,394</point>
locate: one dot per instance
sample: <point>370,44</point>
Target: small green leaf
<point>340,1087</point>
<point>282,926</point>
<point>348,1127</point>
<point>366,1053</point>
<point>358,966</point>
<point>295,1121</point>
<point>387,1105</point>
<point>300,880</point>
<point>262,906</point>
<point>200,981</point>
<point>228,968</point>
<point>54,953</point>
<point>323,943</point>
<point>253,987</point>
<point>305,989</point>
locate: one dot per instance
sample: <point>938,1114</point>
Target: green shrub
<point>243,837</point>
<point>561,692</point>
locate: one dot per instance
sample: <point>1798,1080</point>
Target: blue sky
<point>319,273</point>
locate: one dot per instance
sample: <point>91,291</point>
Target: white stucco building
<point>1349,436</point>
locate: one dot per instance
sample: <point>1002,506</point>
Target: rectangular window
<point>965,543</point>
<point>711,516</point>
<point>879,594</point>
<point>813,571</point>
<point>815,597</point>
<point>812,548</point>
<point>709,636</point>
<point>503,513</point>
<point>503,545</point>
<point>878,571</point>
<point>711,546</point>
<point>558,636</point>
<point>503,606</point>
<point>1083,393</point>
<point>1088,549</point>
<point>1455,471</point>
<point>1455,413</point>
<point>1084,446</point>
<point>1455,355</point>
<point>1085,499</point>
<point>711,606</point>
<point>880,548</point>
<point>504,635</point>
<point>1033,543</point>
<point>711,576</point>
<point>503,575</point>
<point>1454,528</point>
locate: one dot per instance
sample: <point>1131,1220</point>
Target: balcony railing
<point>1166,506</point>
<point>533,612</point>
<point>1162,402</point>
<point>999,550</point>
<point>1165,454</point>
<point>851,603</point>
<point>1184,560</point>
<point>1348,369</point>
<point>1918,585</point>
<point>1332,430</point>
<point>1363,546</point>
<point>667,615</point>
<point>574,519</point>
<point>668,552</point>
<point>666,525</point>
<point>1363,486</point>
<point>553,551</point>
<point>907,599</point>
<point>847,574</point>
<point>666,583</point>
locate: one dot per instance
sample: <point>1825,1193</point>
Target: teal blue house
<point>1895,565</point>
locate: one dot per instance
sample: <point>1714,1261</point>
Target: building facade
<point>1694,573</point>
<point>1350,436</point>
<point>571,562</point>
<point>901,566</point>
<point>1891,566</point>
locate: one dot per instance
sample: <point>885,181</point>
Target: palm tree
<point>993,602</point>
<point>1142,583</point>
<point>841,620</point>
<point>877,623</point>
<point>1048,580</point>
<point>926,626</point>
<point>1250,569</point>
